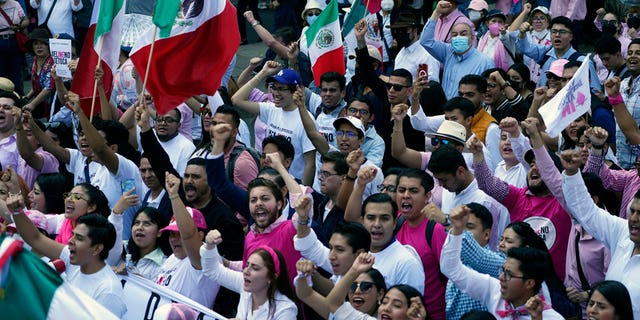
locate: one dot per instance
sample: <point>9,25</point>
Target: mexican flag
<point>30,289</point>
<point>103,37</point>
<point>325,43</point>
<point>359,10</point>
<point>193,58</point>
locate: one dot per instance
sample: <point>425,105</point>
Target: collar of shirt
<point>9,140</point>
<point>467,54</point>
<point>156,256</point>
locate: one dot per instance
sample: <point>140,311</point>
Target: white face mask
<point>475,16</point>
<point>387,5</point>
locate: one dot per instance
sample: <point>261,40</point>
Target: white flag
<point>570,103</point>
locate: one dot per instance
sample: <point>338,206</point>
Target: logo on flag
<point>325,39</point>
<point>572,101</point>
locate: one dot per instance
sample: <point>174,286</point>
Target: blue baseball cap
<point>286,76</point>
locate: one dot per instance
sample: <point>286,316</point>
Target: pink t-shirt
<point>279,238</point>
<point>434,283</point>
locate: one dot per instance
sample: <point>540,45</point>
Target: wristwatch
<point>506,84</point>
<point>447,221</point>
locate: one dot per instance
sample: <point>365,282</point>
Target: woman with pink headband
<point>264,286</point>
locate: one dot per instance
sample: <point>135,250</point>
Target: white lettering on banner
<point>143,298</point>
<point>545,228</point>
<point>572,101</point>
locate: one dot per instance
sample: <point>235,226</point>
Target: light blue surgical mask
<point>460,44</point>
<point>311,19</point>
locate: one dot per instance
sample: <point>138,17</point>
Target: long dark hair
<point>280,283</point>
<point>97,198</point>
<point>617,295</point>
<point>53,185</point>
<point>163,242</point>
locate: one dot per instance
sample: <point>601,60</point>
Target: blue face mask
<point>311,19</point>
<point>460,44</point>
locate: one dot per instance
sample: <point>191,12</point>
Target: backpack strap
<point>235,152</point>
<point>429,231</point>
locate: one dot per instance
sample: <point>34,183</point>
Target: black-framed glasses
<point>74,196</point>
<point>167,120</point>
<point>362,112</point>
<point>273,88</point>
<point>311,14</point>
<point>508,275</point>
<point>389,187</point>
<point>349,134</point>
<point>324,174</point>
<point>365,286</point>
<point>552,76</point>
<point>435,141</point>
<point>395,86</point>
<point>560,31</point>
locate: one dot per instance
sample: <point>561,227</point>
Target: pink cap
<point>557,67</point>
<point>197,216</point>
<point>175,311</point>
<point>478,5</point>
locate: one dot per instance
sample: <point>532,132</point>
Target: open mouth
<point>189,191</point>
<point>406,207</point>
<point>357,302</point>
<point>376,235</point>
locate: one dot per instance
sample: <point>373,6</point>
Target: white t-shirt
<point>289,125</point>
<point>179,150</point>
<point>400,264</point>
<point>180,276</point>
<point>101,177</point>
<point>103,286</point>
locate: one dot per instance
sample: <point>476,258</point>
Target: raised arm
<point>241,97</point>
<point>409,157</point>
<point>189,234</point>
<point>306,272</point>
<point>27,230</point>
<point>212,264</point>
<point>246,74</point>
<point>363,263</point>
<point>46,142</point>
<point>522,17</point>
<point>308,123</point>
<point>353,211</point>
<point>273,160</point>
<point>266,36</point>
<point>26,150</point>
<point>355,159</point>
<point>107,110</point>
<point>625,121</point>
<point>487,182</point>
<point>97,143</point>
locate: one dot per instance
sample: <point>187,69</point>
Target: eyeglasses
<point>560,32</point>
<point>324,174</point>
<point>435,141</point>
<point>508,275</point>
<point>167,120</point>
<point>395,86</point>
<point>388,187</point>
<point>611,22</point>
<point>311,14</point>
<point>273,88</point>
<point>362,112</point>
<point>74,196</point>
<point>539,18</point>
<point>349,134</point>
<point>365,286</point>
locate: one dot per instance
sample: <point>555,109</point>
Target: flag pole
<point>366,10</point>
<point>146,73</point>
<point>95,82</point>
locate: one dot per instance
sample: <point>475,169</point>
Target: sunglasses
<point>365,286</point>
<point>311,14</point>
<point>389,187</point>
<point>395,86</point>
<point>74,196</point>
<point>435,141</point>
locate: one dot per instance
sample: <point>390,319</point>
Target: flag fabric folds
<point>325,43</point>
<point>572,101</point>
<point>30,289</point>
<point>164,15</point>
<point>195,56</point>
<point>106,23</point>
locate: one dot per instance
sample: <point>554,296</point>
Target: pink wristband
<point>617,99</point>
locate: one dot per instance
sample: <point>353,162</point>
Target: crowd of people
<point>420,184</point>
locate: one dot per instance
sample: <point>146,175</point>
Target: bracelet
<point>349,178</point>
<point>304,223</point>
<point>617,99</point>
<point>255,23</point>
<point>447,221</point>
